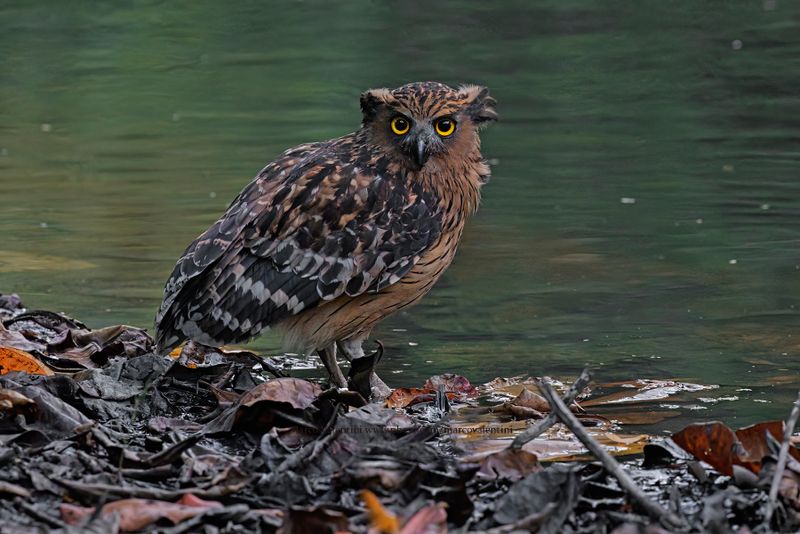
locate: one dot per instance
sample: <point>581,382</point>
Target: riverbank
<point>99,433</point>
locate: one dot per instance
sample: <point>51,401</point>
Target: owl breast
<point>347,317</point>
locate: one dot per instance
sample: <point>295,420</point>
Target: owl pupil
<point>400,125</point>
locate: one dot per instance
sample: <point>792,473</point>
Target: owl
<point>333,236</point>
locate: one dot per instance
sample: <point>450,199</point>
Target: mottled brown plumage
<point>332,237</point>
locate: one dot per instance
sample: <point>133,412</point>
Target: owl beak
<point>422,152</point>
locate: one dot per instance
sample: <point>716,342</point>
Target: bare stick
<point>652,508</point>
<point>551,419</point>
<point>41,516</point>
<point>104,490</point>
<point>783,457</point>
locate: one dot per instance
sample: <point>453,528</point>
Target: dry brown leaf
<point>528,405</point>
<point>431,519</point>
<point>509,464</point>
<point>12,359</point>
<point>137,514</point>
<point>722,448</point>
<point>713,443</point>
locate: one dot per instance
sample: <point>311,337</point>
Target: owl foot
<point>362,377</point>
<point>379,391</point>
<point>328,357</point>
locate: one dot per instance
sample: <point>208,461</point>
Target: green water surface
<point>644,210</point>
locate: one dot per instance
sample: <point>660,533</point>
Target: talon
<point>379,352</point>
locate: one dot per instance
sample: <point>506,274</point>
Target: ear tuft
<point>480,104</point>
<point>373,100</point>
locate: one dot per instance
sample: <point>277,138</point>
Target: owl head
<point>426,122</point>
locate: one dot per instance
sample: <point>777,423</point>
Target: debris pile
<point>99,434</point>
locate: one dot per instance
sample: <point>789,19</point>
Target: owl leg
<point>328,357</point>
<point>352,349</point>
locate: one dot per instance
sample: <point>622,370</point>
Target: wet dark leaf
<point>287,401</point>
<point>51,416</point>
<point>314,520</point>
<point>663,453</point>
<point>14,339</point>
<point>94,348</point>
<point>43,326</point>
<point>555,489</point>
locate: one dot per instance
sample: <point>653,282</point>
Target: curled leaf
<point>13,400</point>
<point>12,359</point>
<point>528,405</point>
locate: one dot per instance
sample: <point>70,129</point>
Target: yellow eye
<point>400,125</point>
<point>445,127</point>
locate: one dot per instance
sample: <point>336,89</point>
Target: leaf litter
<point>99,434</point>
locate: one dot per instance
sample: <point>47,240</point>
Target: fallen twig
<point>102,490</point>
<point>551,419</point>
<point>173,453</point>
<point>783,457</point>
<point>41,516</point>
<point>653,509</point>
<point>156,474</point>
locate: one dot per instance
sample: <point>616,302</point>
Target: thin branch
<point>41,516</point>
<point>783,457</point>
<point>652,508</point>
<point>543,424</point>
<point>102,490</point>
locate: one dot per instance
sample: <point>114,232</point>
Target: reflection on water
<point>643,215</point>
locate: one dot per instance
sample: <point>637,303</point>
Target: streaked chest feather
<point>347,317</point>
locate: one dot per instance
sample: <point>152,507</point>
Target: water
<point>642,217</point>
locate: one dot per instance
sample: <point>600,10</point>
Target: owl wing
<point>311,227</point>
